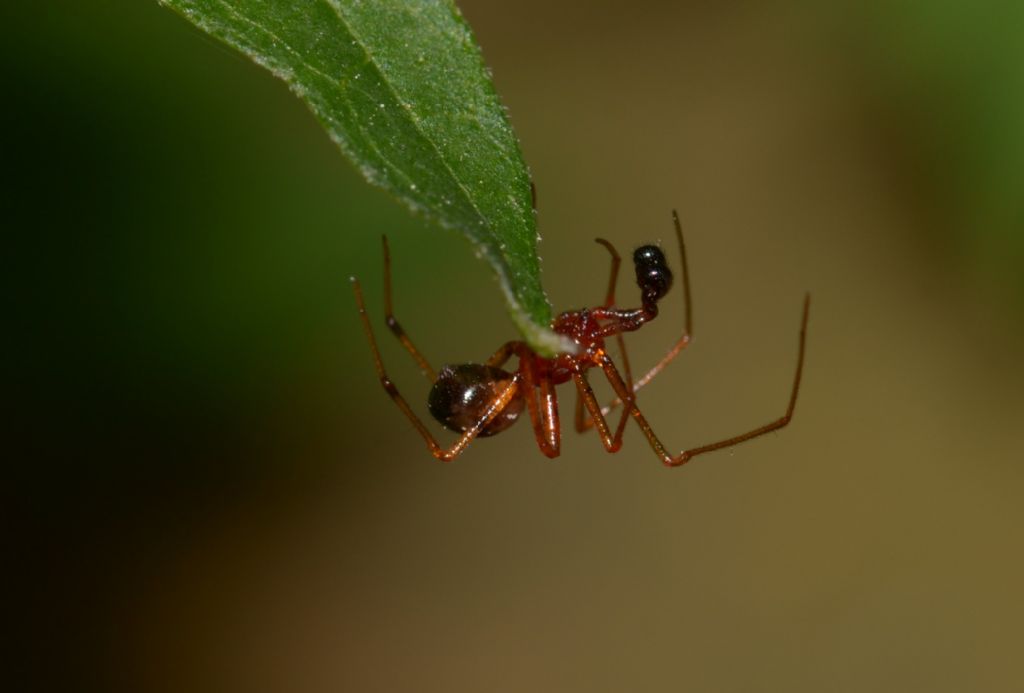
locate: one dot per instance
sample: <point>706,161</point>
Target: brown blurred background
<point>211,492</point>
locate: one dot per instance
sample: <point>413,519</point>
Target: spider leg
<point>504,353</point>
<point>392,322</point>
<point>585,423</point>
<point>543,414</point>
<point>609,300</point>
<point>611,443</point>
<point>445,455</point>
<point>685,456</point>
<point>684,338</point>
<point>582,423</point>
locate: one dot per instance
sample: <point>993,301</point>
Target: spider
<point>478,400</point>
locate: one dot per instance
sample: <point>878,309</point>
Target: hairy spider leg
<point>583,424</point>
<point>676,348</point>
<point>682,458</point>
<point>392,322</point>
<point>445,455</point>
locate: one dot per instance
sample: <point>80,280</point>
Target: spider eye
<point>652,273</point>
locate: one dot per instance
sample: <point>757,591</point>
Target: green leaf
<point>401,87</point>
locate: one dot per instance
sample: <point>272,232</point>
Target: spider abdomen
<point>462,394</point>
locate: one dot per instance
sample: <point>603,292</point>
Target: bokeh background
<point>211,493</point>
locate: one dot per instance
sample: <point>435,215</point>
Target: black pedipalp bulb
<point>652,273</point>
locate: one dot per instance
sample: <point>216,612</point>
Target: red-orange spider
<point>479,400</point>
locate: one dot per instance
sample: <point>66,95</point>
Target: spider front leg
<point>685,456</point>
<point>392,322</point>
<point>494,408</point>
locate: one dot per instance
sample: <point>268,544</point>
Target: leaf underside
<point>401,87</point>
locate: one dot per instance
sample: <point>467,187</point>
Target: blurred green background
<point>212,492</point>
